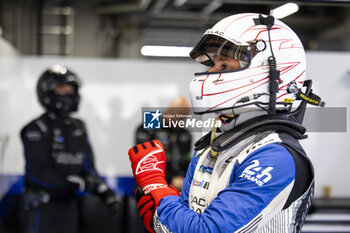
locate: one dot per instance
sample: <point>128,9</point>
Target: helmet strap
<point>224,118</point>
<point>212,137</point>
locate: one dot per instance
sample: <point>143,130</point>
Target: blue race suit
<point>262,184</point>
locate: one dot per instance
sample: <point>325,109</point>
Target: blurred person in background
<point>177,141</point>
<point>59,159</point>
<point>251,174</point>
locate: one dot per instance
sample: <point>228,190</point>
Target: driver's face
<point>222,63</point>
<point>64,89</point>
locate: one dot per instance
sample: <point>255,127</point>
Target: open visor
<point>212,45</point>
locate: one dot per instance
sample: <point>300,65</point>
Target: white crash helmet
<point>243,37</point>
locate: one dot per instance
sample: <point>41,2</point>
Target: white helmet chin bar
<point>261,83</point>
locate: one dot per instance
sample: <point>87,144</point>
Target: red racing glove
<point>148,203</point>
<point>148,164</point>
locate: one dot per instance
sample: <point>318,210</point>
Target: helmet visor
<point>60,80</point>
<point>211,45</point>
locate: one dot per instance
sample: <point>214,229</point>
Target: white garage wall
<point>114,90</point>
<point>113,93</point>
<point>330,152</point>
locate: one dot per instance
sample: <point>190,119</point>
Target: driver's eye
<point>224,66</point>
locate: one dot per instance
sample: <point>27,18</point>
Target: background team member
<point>59,159</point>
<point>253,176</point>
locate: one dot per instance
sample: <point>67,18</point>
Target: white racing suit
<point>263,183</point>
